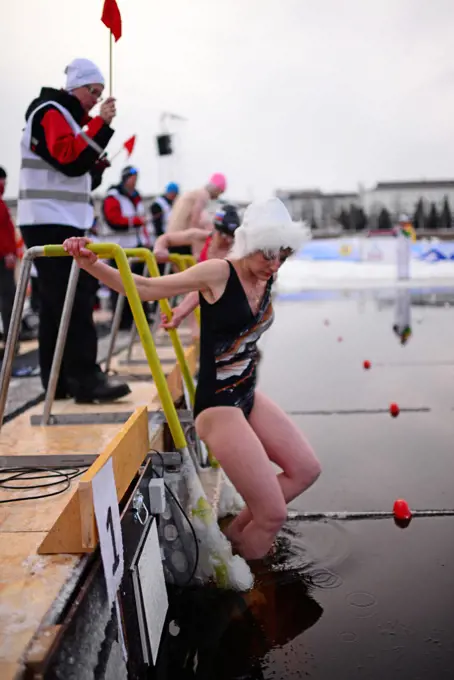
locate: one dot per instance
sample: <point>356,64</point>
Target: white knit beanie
<point>82,72</point>
<point>267,226</point>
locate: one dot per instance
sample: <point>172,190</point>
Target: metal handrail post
<point>153,326</point>
<point>116,321</point>
<point>184,262</point>
<point>61,342</point>
<point>114,330</point>
<point>132,339</point>
<point>114,251</point>
<point>133,332</point>
<point>14,327</point>
<point>220,554</point>
<point>150,260</point>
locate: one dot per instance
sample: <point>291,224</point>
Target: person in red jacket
<point>62,160</point>
<point>8,257</point>
<point>124,213</point>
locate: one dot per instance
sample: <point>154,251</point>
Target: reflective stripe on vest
<point>91,142</point>
<point>35,164</point>
<point>72,197</point>
<point>46,195</point>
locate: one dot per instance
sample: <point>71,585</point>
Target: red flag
<point>129,144</point>
<point>111,17</point>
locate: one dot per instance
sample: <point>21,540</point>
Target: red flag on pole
<point>111,18</point>
<point>129,145</point>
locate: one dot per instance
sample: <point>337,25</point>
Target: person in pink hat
<point>189,210</point>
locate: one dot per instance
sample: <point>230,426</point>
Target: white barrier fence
<point>376,249</point>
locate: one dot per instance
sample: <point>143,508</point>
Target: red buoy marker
<point>401,510</point>
<point>339,339</point>
<point>394,410</point>
<point>366,365</point>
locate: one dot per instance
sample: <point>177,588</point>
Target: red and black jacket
<point>8,244</point>
<point>111,209</point>
<point>55,142</point>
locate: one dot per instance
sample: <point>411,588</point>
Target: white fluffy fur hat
<point>267,225</point>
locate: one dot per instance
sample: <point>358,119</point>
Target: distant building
<point>314,206</point>
<point>324,209</point>
<point>403,197</point>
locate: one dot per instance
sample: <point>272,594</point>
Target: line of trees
<point>432,219</point>
<point>355,219</point>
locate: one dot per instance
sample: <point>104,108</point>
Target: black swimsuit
<point>228,347</point>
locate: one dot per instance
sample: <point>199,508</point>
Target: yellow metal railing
<point>145,255</point>
<point>184,262</point>
<point>115,252</point>
<point>219,550</point>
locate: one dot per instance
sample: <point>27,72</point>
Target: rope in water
<point>349,412</point>
<point>378,514</point>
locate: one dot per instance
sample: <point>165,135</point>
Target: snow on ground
<point>298,275</point>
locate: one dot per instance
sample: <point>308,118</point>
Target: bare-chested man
<point>189,210</point>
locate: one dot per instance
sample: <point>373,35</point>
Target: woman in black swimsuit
<point>242,427</point>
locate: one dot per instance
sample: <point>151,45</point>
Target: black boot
<point>97,389</point>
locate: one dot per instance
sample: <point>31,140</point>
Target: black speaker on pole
<point>164,143</point>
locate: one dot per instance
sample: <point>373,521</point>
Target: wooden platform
<point>30,583</point>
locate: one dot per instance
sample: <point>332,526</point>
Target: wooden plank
<point>142,369</point>
<point>127,449</point>
<point>18,437</point>
<point>75,529</point>
<point>10,671</point>
<point>142,394</point>
<point>87,517</point>
<point>30,582</point>
<point>139,353</point>
<point>65,535</point>
<point>27,346</point>
<point>28,585</point>
<point>174,379</point>
<point>32,515</point>
<point>40,648</point>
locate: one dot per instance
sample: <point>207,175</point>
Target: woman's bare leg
<point>286,446</point>
<point>235,445</point>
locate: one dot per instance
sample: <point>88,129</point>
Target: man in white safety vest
<point>124,214</point>
<point>62,152</point>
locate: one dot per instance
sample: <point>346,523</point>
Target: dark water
<point>358,599</point>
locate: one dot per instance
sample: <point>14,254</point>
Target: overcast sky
<point>277,93</point>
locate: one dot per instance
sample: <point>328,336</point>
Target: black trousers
<point>79,358</point>
<point>7,293</point>
<point>34,297</point>
<point>126,317</point>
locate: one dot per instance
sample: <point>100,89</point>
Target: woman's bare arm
<point>209,276</point>
<point>181,238</point>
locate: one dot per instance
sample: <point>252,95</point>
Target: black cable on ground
<point>66,476</point>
